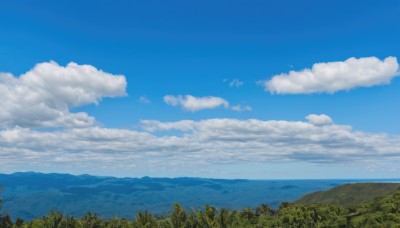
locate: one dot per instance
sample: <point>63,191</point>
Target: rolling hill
<point>348,194</point>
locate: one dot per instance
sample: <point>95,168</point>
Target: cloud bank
<point>44,96</point>
<point>196,143</point>
<point>331,77</point>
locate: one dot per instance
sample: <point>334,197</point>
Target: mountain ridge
<point>31,195</point>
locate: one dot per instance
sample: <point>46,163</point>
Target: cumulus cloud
<point>319,120</point>
<point>44,96</point>
<point>195,143</point>
<point>331,77</point>
<point>194,104</point>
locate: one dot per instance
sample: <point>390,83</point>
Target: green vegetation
<point>379,212</point>
<point>349,194</point>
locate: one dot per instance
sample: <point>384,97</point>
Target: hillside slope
<point>348,194</point>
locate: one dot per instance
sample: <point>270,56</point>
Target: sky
<point>222,89</point>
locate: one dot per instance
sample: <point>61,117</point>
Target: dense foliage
<point>380,212</point>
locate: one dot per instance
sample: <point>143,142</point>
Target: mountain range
<point>30,195</point>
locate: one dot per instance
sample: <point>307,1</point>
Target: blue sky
<point>198,49</point>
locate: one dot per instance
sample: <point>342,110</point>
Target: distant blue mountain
<point>29,195</point>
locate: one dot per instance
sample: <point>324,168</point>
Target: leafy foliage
<point>379,212</point>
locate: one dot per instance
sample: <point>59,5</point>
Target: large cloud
<point>195,143</point>
<point>335,76</point>
<point>43,96</point>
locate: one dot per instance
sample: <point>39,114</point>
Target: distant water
<point>30,195</point>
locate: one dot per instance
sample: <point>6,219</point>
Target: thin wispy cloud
<point>236,83</point>
<point>331,77</point>
<point>240,108</point>
<point>144,100</point>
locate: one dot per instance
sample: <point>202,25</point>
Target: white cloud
<point>239,108</point>
<point>194,144</point>
<point>319,140</point>
<point>194,104</point>
<point>319,120</point>
<point>43,96</point>
<point>331,77</point>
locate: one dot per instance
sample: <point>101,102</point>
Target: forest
<point>379,212</point>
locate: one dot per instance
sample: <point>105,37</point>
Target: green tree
<point>223,218</point>
<point>19,222</point>
<point>264,209</point>
<point>5,221</point>
<point>91,220</point>
<point>145,219</point>
<point>54,219</point>
<point>178,216</point>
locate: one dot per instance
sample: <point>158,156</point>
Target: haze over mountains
<point>30,195</point>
